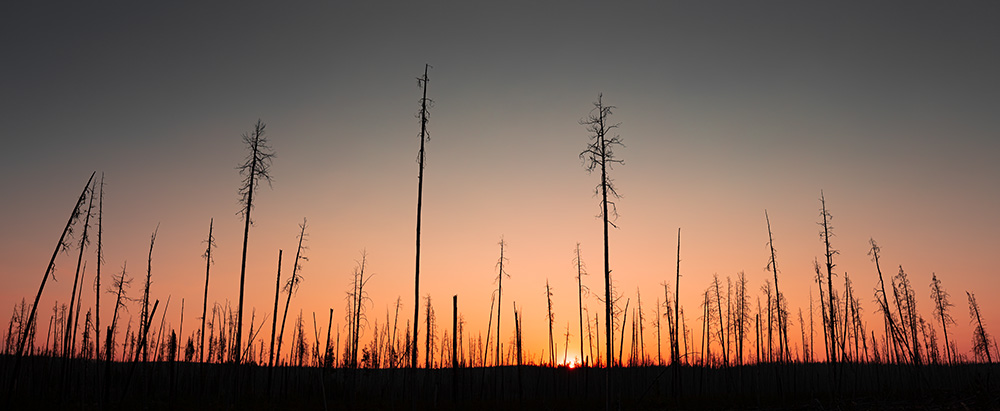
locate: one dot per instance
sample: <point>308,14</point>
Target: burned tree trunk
<point>204,303</point>
<point>255,167</point>
<point>424,136</point>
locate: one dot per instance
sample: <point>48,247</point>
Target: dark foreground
<point>46,383</point>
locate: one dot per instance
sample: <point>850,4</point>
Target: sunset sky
<point>726,109</point>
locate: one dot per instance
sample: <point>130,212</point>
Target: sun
<point>572,363</point>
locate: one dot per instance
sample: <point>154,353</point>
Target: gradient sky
<point>727,109</point>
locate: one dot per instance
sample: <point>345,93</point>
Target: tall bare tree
<point>120,282</point>
<point>600,155</point>
<point>894,336</point>
<point>274,317</point>
<point>825,235</point>
<point>293,282</point>
<point>358,301</point>
<point>431,334</point>
<point>906,305</point>
<point>717,298</point>
<point>84,241</point>
<point>256,167</point>
<point>551,318</point>
<point>772,265</point>
<point>580,272</point>
<point>145,317</point>
<point>424,115</point>
<point>980,339</point>
<point>501,273</point>
<point>204,302</point>
<point>97,280</point>
<point>941,306</point>
<point>742,307</point>
<point>675,348</point>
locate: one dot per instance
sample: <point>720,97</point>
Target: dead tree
<point>327,357</point>
<point>145,317</point>
<point>580,272</point>
<point>941,306</point>
<point>358,301</point>
<point>742,306</point>
<point>552,318</point>
<point>204,302</point>
<point>772,265</point>
<point>256,167</point>
<point>431,334</point>
<point>119,282</point>
<point>675,347</point>
<point>84,241</point>
<point>76,315</point>
<point>829,252</point>
<point>600,155</point>
<point>292,285</point>
<point>274,318</point>
<point>659,340</point>
<point>639,316</point>
<point>566,345</point>
<point>980,339</point>
<point>97,284</point>
<point>393,349</point>
<point>669,314</point>
<point>723,339</point>
<point>454,333</point>
<point>517,335</point>
<point>424,137</point>
<point>500,274</point>
<point>894,336</point>
<point>906,305</point>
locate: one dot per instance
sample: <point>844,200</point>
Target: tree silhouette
<point>424,137</point>
<point>906,305</point>
<point>980,339</point>
<point>551,318</point>
<point>145,318</point>
<point>97,285</point>
<point>894,335</point>
<point>293,283</point>
<point>825,235</point>
<point>84,241</point>
<point>742,307</point>
<point>357,302</point>
<point>256,167</point>
<point>120,282</point>
<point>500,274</point>
<point>274,317</point>
<point>941,306</point>
<point>580,272</point>
<point>675,346</point>
<point>772,265</point>
<point>208,268</point>
<point>600,155</point>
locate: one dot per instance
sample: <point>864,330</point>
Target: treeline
<point>733,326</point>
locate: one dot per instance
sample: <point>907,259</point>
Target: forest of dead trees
<point>737,324</point>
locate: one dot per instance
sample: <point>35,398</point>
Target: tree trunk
<point>204,301</point>
<point>420,196</point>
<point>274,318</point>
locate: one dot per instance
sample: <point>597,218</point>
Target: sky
<point>726,109</point>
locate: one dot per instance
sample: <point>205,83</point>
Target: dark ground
<point>53,383</point>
